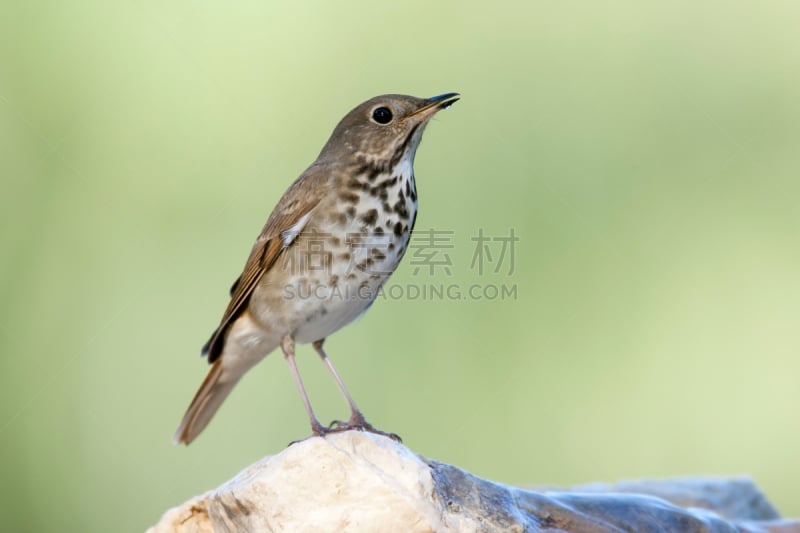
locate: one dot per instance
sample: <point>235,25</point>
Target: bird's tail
<point>215,388</point>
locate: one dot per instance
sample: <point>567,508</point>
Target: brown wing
<point>298,202</point>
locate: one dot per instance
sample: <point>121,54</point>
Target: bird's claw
<point>337,424</point>
<point>359,424</point>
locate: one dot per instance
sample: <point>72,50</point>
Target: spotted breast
<point>339,262</point>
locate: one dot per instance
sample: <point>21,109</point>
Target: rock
<point>730,497</point>
<point>354,481</point>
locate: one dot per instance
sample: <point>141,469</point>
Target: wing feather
<point>289,217</point>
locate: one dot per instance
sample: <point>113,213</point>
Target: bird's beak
<point>434,104</point>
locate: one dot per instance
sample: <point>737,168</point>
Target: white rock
<point>350,481</point>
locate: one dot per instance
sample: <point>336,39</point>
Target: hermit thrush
<point>333,240</point>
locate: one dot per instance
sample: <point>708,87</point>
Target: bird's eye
<point>382,115</point>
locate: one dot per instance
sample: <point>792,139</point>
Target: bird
<point>331,242</point>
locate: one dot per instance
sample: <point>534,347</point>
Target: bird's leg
<point>356,414</point>
<point>357,420</point>
<point>287,345</point>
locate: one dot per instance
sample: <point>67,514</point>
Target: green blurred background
<point>645,154</point>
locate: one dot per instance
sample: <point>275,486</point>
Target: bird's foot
<point>357,421</point>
